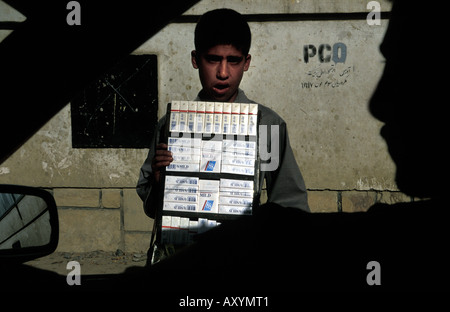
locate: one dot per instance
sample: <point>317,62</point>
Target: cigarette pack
<point>218,109</point>
<point>235,111</point>
<point>252,119</point>
<point>184,231</point>
<point>184,107</point>
<point>237,144</point>
<point>175,230</point>
<point>212,146</point>
<point>191,119</point>
<point>236,192</point>
<point>208,195</point>
<point>239,184</point>
<point>184,198</point>
<point>184,142</point>
<point>229,209</point>
<point>209,185</point>
<point>181,180</point>
<point>193,229</point>
<point>166,229</point>
<point>200,117</point>
<point>238,201</point>
<point>243,119</point>
<point>230,153</point>
<point>248,162</point>
<point>202,225</point>
<point>180,188</point>
<point>210,162</point>
<point>174,116</point>
<point>238,170</point>
<point>178,206</point>
<point>184,150</point>
<point>226,118</point>
<point>186,158</point>
<point>183,166</point>
<point>209,117</point>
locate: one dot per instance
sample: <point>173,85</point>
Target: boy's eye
<point>234,59</point>
<point>213,58</point>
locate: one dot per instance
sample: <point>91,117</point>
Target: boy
<point>221,55</point>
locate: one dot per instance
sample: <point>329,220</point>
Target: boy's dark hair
<point>222,26</point>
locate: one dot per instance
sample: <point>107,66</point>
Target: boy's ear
<point>248,58</point>
<point>194,59</point>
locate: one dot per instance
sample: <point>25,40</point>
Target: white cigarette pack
<point>193,229</point>
<point>180,188</point>
<point>238,201</point>
<point>181,180</point>
<point>229,209</point>
<point>238,170</point>
<point>234,183</point>
<point>236,192</point>
<point>166,229</point>
<point>235,111</point>
<point>192,114</point>
<point>218,109</point>
<point>186,158</point>
<point>200,117</point>
<point>179,206</point>
<point>226,118</point>
<point>184,142</point>
<point>237,144</point>
<point>208,195</point>
<point>248,153</point>
<point>184,231</point>
<point>243,119</point>
<point>210,162</point>
<point>184,167</point>
<point>248,162</point>
<point>184,106</point>
<point>184,150</point>
<point>253,119</point>
<point>212,145</point>
<point>184,198</point>
<point>174,116</point>
<point>175,230</point>
<point>209,185</point>
<point>209,117</point>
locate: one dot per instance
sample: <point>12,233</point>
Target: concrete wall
<point>335,139</point>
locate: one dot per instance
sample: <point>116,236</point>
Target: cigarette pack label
<point>210,165</point>
<point>208,205</point>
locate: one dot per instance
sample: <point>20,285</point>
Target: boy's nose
<point>222,72</point>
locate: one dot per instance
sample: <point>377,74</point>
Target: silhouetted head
<point>412,98</point>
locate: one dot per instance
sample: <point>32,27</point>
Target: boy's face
<point>221,68</point>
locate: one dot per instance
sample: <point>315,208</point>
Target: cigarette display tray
<point>214,175</point>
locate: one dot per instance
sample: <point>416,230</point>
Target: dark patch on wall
<point>120,109</point>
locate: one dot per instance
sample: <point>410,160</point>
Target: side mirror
<point>28,223</point>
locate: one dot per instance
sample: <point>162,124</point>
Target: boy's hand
<point>162,158</point>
